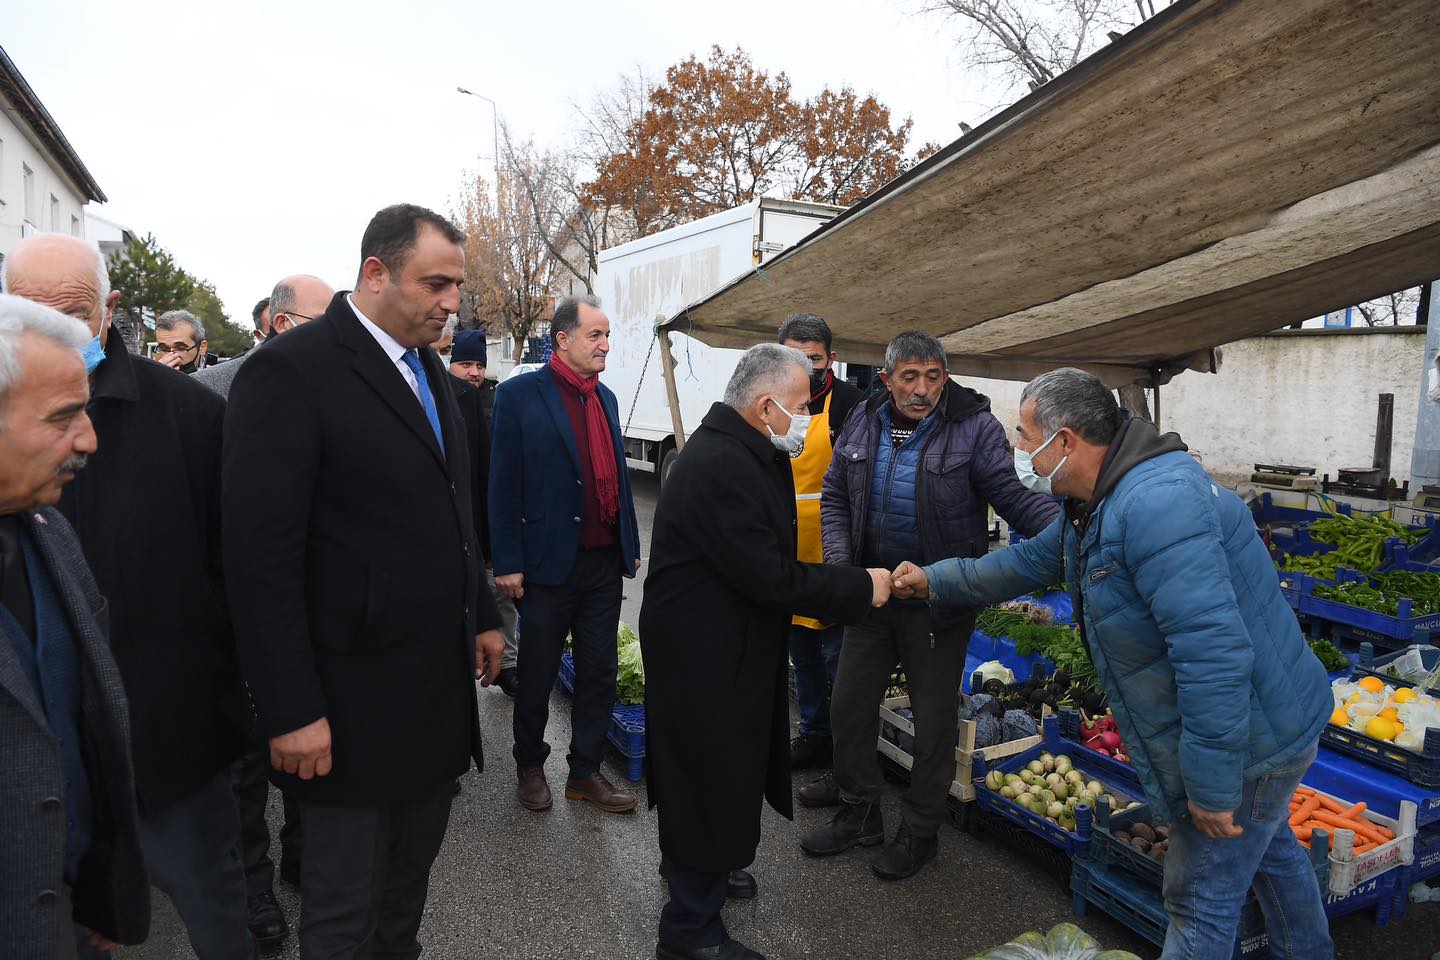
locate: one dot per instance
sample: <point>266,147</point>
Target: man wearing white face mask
<point>723,584</point>
<point>913,472</point>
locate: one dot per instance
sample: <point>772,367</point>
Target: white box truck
<point>660,275</point>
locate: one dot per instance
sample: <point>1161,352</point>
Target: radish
<point>1110,741</point>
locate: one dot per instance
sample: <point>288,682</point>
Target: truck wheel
<point>667,463</point>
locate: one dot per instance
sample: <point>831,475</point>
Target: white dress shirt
<point>392,349</point>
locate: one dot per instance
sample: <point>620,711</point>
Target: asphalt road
<point>573,882</point>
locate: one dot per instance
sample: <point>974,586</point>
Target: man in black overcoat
<point>714,627</point>
<point>359,593</point>
<point>147,511</point>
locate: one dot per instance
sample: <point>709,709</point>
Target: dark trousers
<point>366,874</point>
<point>691,919</point>
<point>933,661</point>
<point>816,656</point>
<point>587,608</point>
<point>192,852</point>
<point>250,776</point>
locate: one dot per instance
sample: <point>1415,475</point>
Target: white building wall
<point>1306,398</point>
<point>18,150</point>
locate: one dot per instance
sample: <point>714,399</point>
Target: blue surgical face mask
<point>1025,468</point>
<point>92,354</point>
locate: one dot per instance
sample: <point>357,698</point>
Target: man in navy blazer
<point>563,533</point>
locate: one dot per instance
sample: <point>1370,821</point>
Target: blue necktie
<point>427,399</point>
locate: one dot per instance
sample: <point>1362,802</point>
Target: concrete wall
<point>19,149</point>
<point>1305,397</point>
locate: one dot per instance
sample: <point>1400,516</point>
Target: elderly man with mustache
<point>913,471</point>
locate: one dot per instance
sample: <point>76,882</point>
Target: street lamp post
<point>494,132</point>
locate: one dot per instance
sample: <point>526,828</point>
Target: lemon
<point>1373,684</point>
<point>1380,728</point>
<point>1354,697</point>
<point>1389,713</point>
<point>1399,727</point>
<point>1405,695</point>
<point>1340,718</point>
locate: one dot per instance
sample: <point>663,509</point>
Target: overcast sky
<point>256,143</point>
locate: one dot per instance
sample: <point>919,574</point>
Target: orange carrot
<point>1366,847</point>
<point>1361,828</point>
<point>1354,811</point>
<point>1305,791</point>
<point>1334,806</point>
<point>1302,833</point>
<point>1303,812</point>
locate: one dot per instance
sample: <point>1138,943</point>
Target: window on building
<point>74,225</point>
<point>54,214</point>
<point>27,177</point>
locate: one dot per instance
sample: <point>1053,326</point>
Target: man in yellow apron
<point>814,646</point>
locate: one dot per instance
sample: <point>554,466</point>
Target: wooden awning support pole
<point>672,396</point>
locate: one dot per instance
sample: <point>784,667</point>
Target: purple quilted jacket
<point>967,464</point>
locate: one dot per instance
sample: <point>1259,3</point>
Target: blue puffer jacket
<point>892,527</point>
<point>1209,677</point>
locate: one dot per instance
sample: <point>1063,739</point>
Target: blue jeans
<point>1207,880</point>
<point>816,655</point>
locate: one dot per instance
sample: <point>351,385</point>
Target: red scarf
<point>602,445</point>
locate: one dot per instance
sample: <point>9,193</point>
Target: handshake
<point>906,583</point>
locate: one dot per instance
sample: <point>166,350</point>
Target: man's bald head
<point>65,273</point>
<point>296,299</point>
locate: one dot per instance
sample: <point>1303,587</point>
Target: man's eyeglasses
<point>164,348</point>
<point>295,316</point>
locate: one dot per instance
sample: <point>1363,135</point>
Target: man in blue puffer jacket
<point>1218,698</point>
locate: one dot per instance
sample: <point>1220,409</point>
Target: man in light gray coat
<point>71,878</point>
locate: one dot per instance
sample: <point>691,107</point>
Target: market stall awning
<point>1227,168</point>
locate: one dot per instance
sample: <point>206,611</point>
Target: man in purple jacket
<point>913,471</point>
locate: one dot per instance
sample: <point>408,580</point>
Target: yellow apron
<point>809,470</point>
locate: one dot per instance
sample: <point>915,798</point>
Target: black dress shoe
<point>267,923</point>
<point>904,856</point>
<point>820,793</point>
<point>728,950</point>
<point>508,681</point>
<point>808,752</point>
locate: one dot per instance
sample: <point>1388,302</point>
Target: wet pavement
<point>574,882</point>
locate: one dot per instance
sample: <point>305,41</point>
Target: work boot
<point>508,681</point>
<point>727,950</point>
<point>855,823</point>
<point>600,792</point>
<point>905,855</point>
<point>267,924</point>
<point>820,793</point>
<point>809,751</point>
<point>532,791</point>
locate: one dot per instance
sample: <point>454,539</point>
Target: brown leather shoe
<point>600,792</point>
<point>533,792</point>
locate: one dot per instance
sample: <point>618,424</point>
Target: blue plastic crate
<point>1117,769</point>
<point>1425,866</point>
<point>1354,623</point>
<point>565,679</point>
<point>1266,511</point>
<point>1345,776</point>
<point>1421,768</point>
<point>627,734</point>
<point>1368,665</point>
<point>992,802</point>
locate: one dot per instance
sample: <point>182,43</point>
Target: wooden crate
<point>962,788</point>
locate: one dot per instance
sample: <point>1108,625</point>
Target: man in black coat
<point>714,628</point>
<point>359,593</point>
<point>71,876</point>
<point>147,511</point>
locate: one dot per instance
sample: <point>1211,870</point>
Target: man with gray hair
<point>180,341</point>
<point>159,436</point>
<point>914,471</point>
<point>1218,700</point>
<point>724,582</point>
<point>71,877</point>
<point>562,535</point>
<point>296,299</point>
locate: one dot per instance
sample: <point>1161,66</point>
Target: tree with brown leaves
<point>720,132</point>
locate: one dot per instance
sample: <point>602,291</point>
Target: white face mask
<point>794,439</point>
<point>1025,468</point>
<point>445,360</point>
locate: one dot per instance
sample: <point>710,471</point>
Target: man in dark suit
<point>71,876</point>
<point>723,584</point>
<point>359,594</point>
<point>563,532</point>
<point>467,366</point>
<point>147,511</point>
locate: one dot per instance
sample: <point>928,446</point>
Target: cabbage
<point>1065,941</point>
<point>630,679</point>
